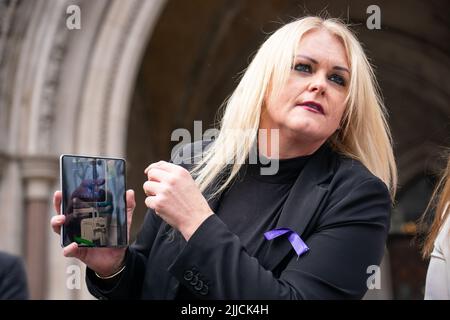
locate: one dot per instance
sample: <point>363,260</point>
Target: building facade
<point>136,70</point>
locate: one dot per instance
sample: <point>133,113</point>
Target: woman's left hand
<point>175,197</point>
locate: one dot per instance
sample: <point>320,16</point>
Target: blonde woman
<point>437,243</point>
<point>223,227</point>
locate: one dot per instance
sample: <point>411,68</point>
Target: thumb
<point>131,204</point>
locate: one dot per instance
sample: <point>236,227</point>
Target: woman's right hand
<point>104,261</point>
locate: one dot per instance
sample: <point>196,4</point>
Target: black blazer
<point>336,205</point>
<point>13,279</point>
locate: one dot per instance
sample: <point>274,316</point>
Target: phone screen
<point>93,201</point>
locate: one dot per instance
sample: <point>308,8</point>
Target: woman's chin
<point>306,126</point>
<point>306,131</point>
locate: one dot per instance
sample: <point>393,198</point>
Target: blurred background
<point>136,70</point>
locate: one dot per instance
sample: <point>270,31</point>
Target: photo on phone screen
<point>93,201</point>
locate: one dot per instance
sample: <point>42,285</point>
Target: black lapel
<point>302,203</point>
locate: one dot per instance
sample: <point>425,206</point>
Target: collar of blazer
<point>301,206</point>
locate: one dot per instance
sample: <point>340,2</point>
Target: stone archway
<point>63,91</point>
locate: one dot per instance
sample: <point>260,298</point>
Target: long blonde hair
<point>364,133</point>
<point>440,201</point>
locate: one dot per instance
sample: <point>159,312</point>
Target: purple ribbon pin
<point>297,243</point>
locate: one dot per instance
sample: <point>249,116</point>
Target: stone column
<point>3,161</point>
<point>39,175</point>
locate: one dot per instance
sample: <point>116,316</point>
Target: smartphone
<point>93,201</point>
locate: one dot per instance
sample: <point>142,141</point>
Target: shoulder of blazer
<point>350,173</point>
<point>327,179</point>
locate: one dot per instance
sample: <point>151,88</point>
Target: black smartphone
<point>93,201</point>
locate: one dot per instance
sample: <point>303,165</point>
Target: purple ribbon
<point>297,243</point>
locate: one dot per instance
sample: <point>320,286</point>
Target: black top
<point>253,203</point>
<point>337,206</point>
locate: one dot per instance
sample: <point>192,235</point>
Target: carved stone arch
<point>106,85</point>
<point>110,76</point>
<point>63,91</point>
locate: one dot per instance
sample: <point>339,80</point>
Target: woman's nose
<point>317,85</point>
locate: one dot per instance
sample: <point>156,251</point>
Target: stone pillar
<point>39,175</point>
